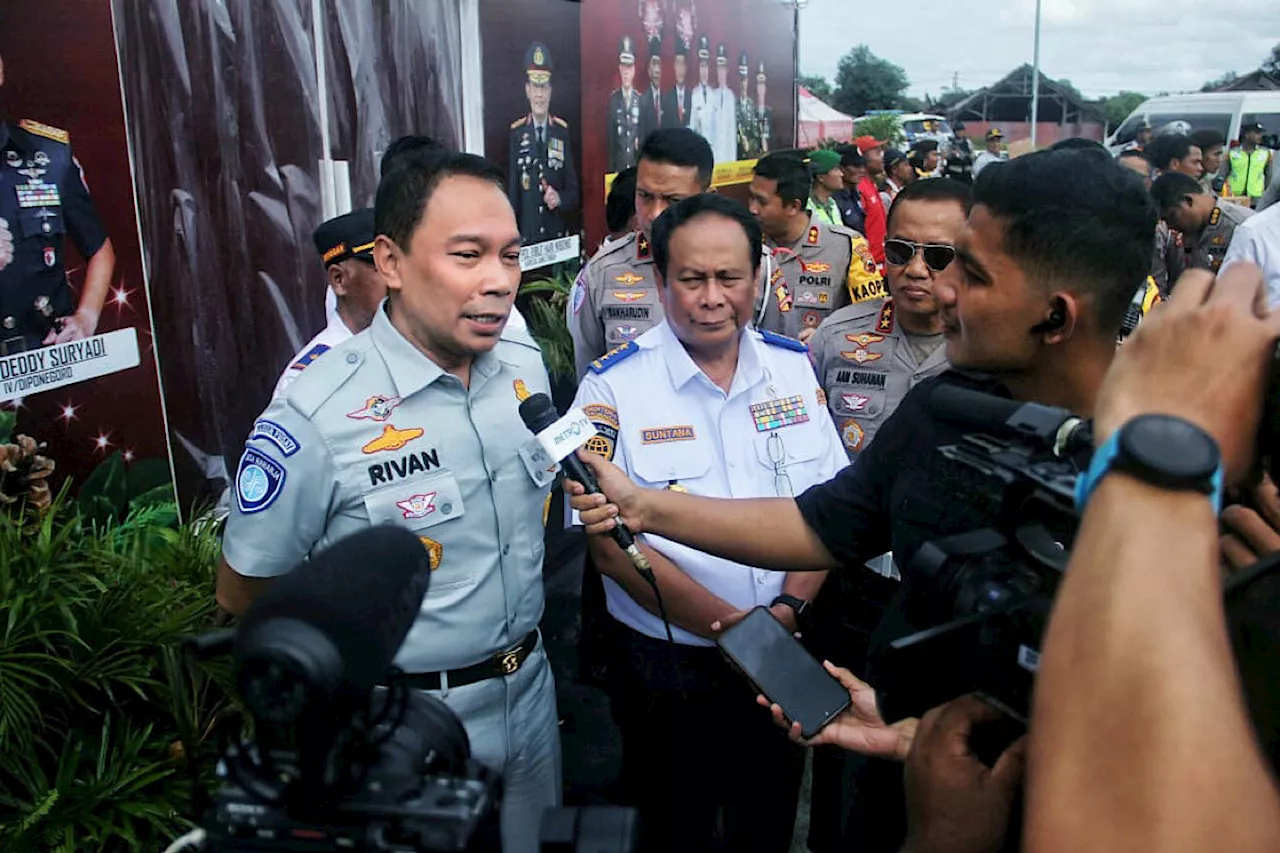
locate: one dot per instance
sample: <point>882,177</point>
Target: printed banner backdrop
<point>524,41</point>
<point>224,104</point>
<point>67,193</point>
<point>621,39</point>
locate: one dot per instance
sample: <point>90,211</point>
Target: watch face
<point>1178,452</point>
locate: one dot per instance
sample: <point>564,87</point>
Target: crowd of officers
<point>723,351</point>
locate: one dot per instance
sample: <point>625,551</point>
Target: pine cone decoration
<point>24,473</point>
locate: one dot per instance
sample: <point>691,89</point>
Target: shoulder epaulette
<point>559,122</point>
<point>613,356</point>
<point>304,361</point>
<point>612,248</point>
<point>57,134</point>
<point>314,388</point>
<point>774,339</point>
<point>519,122</point>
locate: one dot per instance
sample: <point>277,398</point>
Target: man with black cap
<point>626,127</point>
<point>748,126</point>
<point>763,113</point>
<point>702,112</point>
<point>345,244</point>
<point>724,121</point>
<point>542,182</point>
<point>924,158</point>
<point>651,105</point>
<point>993,153</point>
<point>898,172</point>
<point>1143,138</point>
<point>677,103</point>
<point>959,163</point>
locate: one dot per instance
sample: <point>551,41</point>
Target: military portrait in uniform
<point>542,178</point>
<point>626,123</point>
<point>763,114</point>
<point>748,127</point>
<point>677,101</point>
<point>44,200</point>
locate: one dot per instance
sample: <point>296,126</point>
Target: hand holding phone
<point>780,668</point>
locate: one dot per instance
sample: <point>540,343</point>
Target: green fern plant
<point>97,719</point>
<point>545,301</point>
<point>885,127</point>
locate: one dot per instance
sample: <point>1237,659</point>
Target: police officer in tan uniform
<point>871,353</point>
<point>615,298</point>
<point>1206,223</point>
<point>811,268</point>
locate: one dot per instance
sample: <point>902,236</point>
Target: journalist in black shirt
<point>1053,250</point>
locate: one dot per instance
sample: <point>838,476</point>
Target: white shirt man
<point>1257,240</point>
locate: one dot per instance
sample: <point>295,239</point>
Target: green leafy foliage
<point>113,490</point>
<point>97,720</point>
<point>818,86</point>
<point>886,127</point>
<point>544,301</point>
<point>865,82</point>
<point>1117,107</point>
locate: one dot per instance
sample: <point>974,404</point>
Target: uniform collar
<point>811,237</point>
<point>410,369</point>
<point>682,370</point>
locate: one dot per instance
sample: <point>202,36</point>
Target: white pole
<point>328,191</point>
<point>1035,82</point>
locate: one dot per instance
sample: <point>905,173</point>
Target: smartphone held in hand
<point>780,668</point>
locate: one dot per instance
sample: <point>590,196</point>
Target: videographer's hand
<point>1162,368</point>
<point>1252,533</point>
<point>955,803</point>
<point>597,511</point>
<point>860,728</point>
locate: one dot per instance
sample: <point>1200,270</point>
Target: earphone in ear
<point>1057,319</point>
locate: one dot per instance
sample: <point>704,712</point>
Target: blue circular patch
<point>254,484</point>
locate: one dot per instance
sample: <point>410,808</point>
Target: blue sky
<point>1101,46</point>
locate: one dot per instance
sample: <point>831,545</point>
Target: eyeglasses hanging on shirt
<point>778,456</point>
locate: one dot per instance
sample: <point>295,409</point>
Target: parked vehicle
<point>1220,111</point>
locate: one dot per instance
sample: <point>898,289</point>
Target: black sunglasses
<point>937,256</point>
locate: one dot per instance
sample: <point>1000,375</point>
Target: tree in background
<point>886,127</point>
<point>865,82</point>
<point>1220,81</point>
<point>818,86</point>
<point>1117,107</point>
<point>1272,63</point>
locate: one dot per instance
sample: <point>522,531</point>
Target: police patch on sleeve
<point>277,435</point>
<point>258,481</point>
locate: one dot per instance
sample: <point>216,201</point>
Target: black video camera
<point>342,756</point>
<point>986,595</point>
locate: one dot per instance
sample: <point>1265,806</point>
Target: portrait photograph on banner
<point>724,68</point>
<point>78,371</point>
<point>532,126</point>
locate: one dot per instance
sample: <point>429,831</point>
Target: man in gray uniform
<point>414,422</point>
<point>811,268</point>
<point>870,354</point>
<point>1206,223</point>
<point>615,298</point>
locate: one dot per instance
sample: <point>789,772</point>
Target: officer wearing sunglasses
<point>870,354</point>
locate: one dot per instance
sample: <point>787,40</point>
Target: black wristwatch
<point>799,605</point>
<point>1163,450</point>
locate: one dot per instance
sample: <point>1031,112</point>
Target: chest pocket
<point>787,453</point>
<point>850,401</point>
<point>430,508</point>
<point>628,311</point>
<point>40,222</point>
<point>866,350</point>
<point>659,465</point>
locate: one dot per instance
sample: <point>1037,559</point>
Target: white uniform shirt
<point>1257,240</point>
<point>330,336</point>
<point>674,428</point>
<point>702,114</point>
<point>725,124</point>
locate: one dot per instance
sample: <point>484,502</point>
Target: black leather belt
<point>500,665</point>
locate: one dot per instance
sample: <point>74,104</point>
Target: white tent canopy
<point>819,121</point>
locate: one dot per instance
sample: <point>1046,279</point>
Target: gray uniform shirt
<point>1211,246</point>
<point>376,433</point>
<point>614,300</point>
<point>866,365</point>
<point>826,269</point>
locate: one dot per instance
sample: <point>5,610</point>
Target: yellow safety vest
<point>1248,172</point>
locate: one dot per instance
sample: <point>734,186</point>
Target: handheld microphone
<point>331,628</point>
<point>561,438</point>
